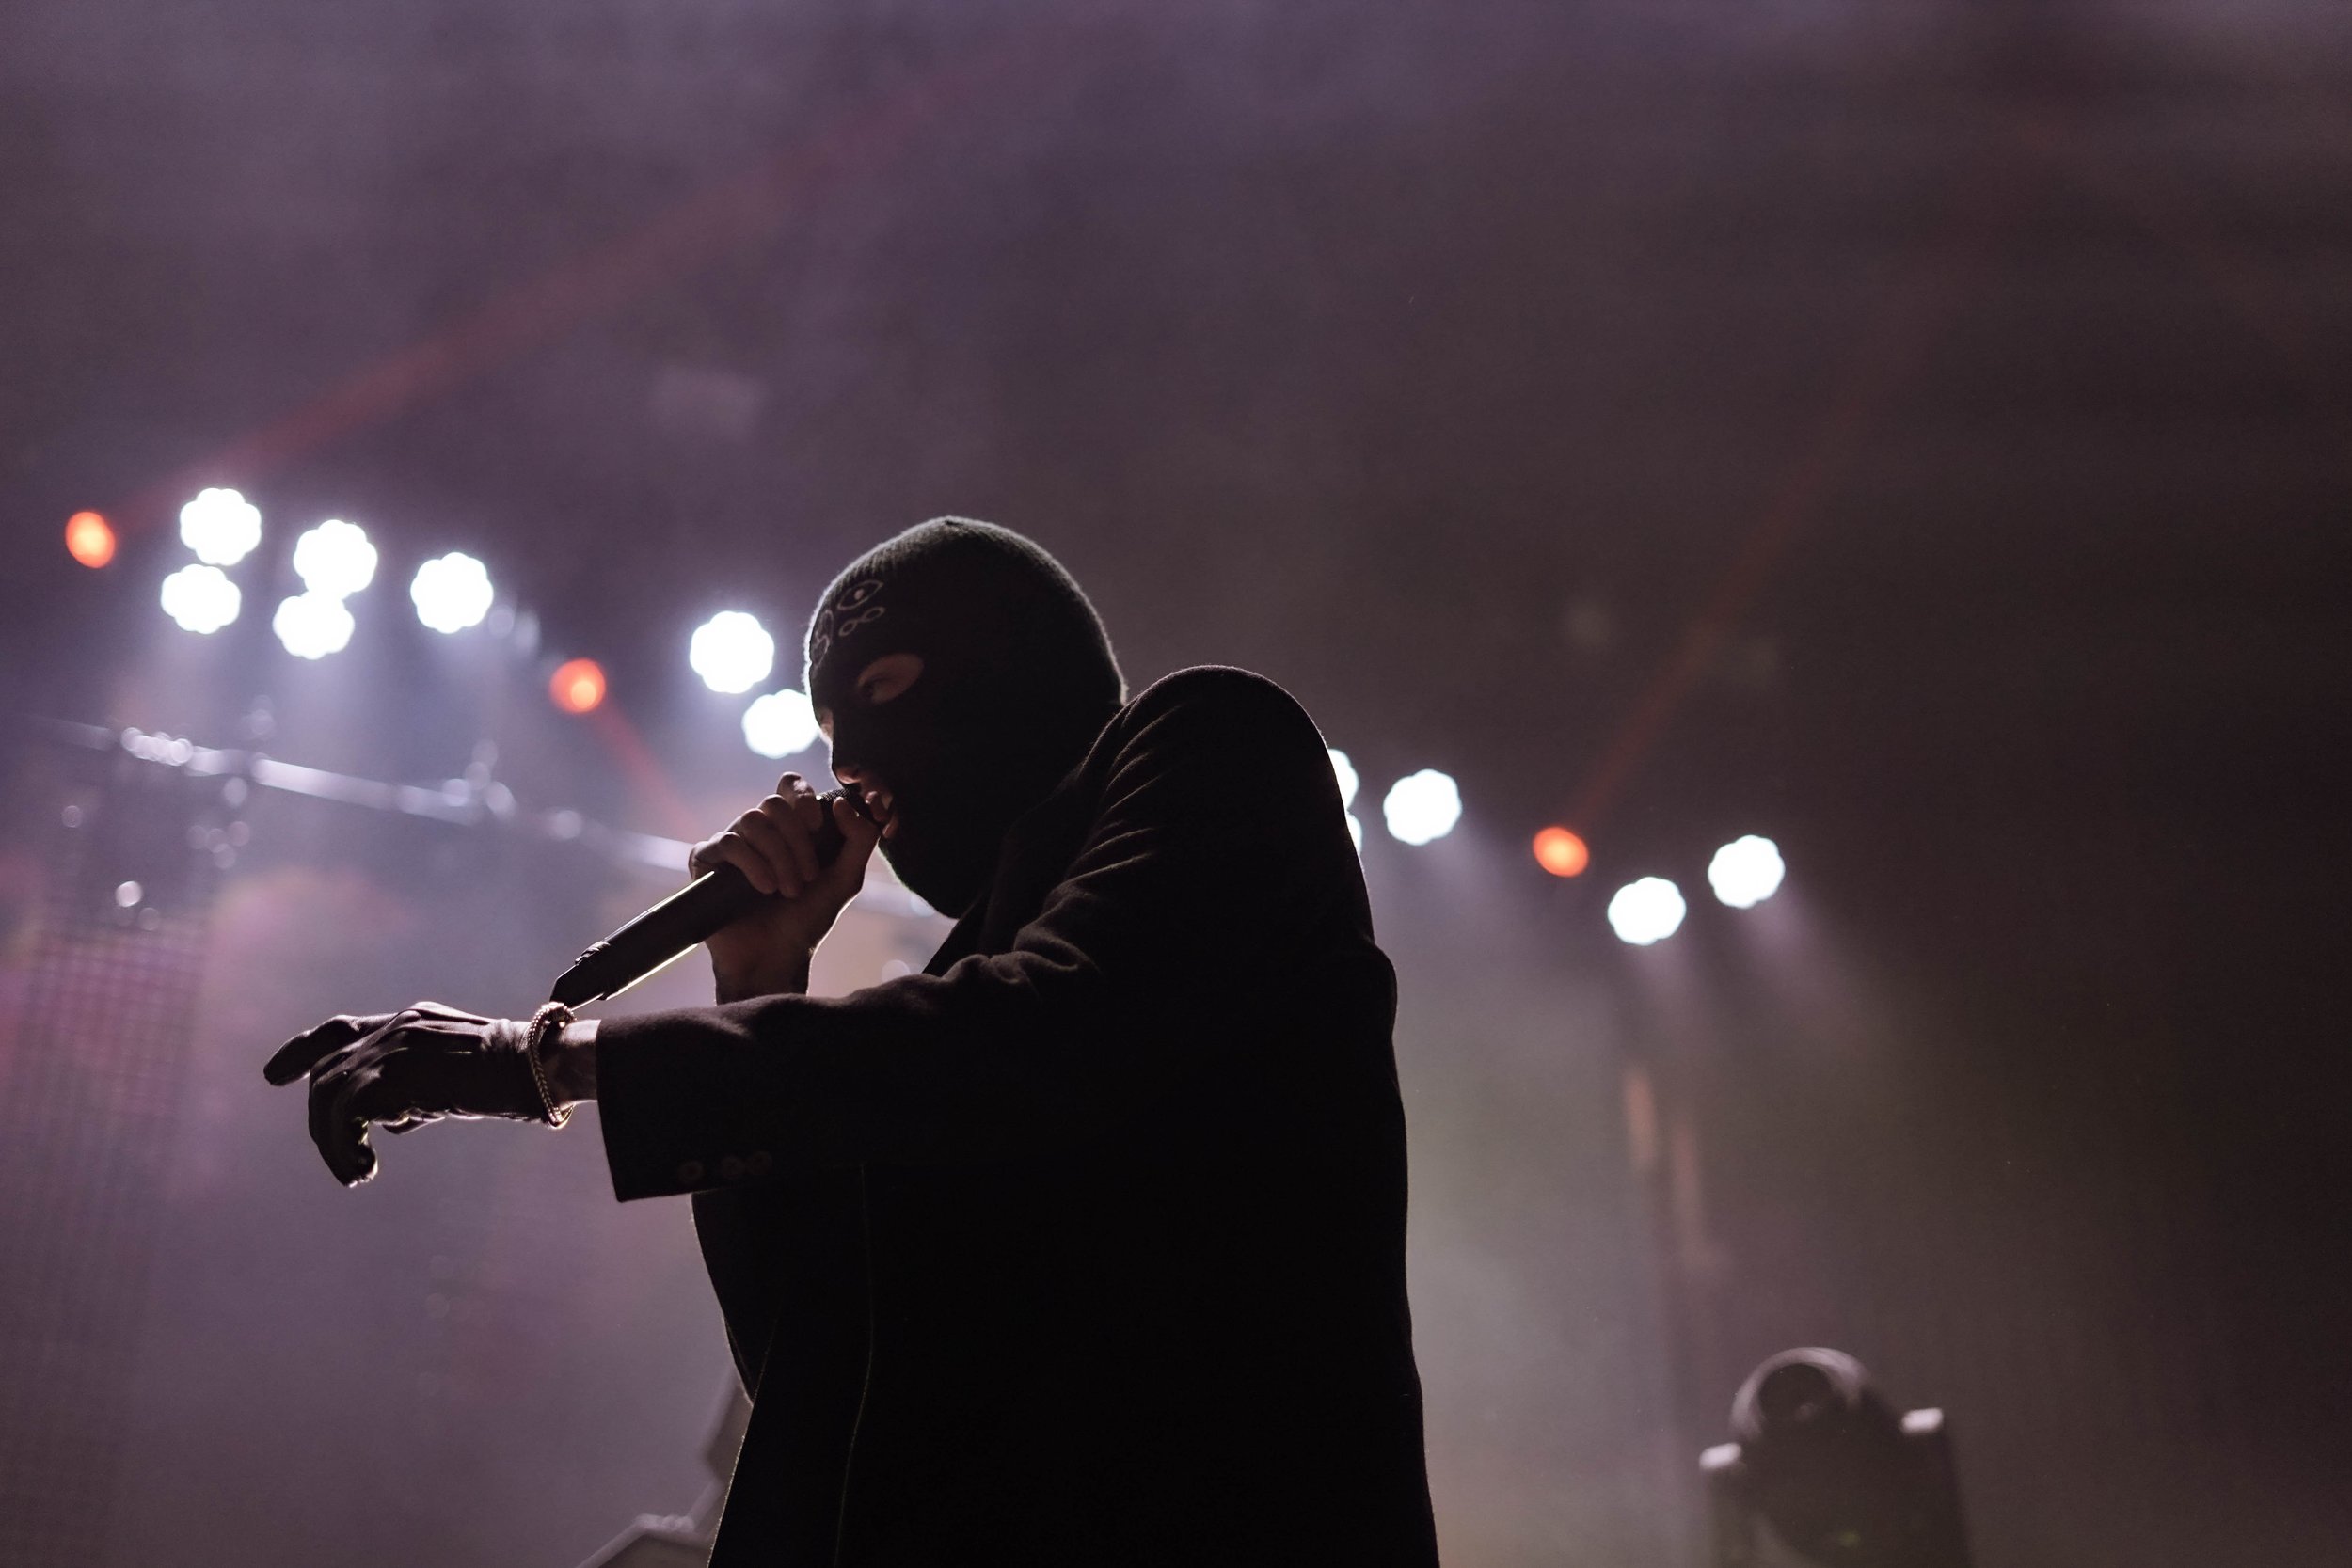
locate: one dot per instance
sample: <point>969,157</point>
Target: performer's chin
<point>949,876</point>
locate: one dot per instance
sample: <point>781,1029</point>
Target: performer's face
<point>918,751</point>
<point>883,681</point>
<point>957,687</point>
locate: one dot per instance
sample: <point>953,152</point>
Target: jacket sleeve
<point>1220,840</point>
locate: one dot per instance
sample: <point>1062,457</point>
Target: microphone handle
<point>676,926</point>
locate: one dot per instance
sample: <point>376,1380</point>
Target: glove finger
<point>383,1097</point>
<point>443,1013</point>
<point>341,1137</point>
<point>341,1142</point>
<point>305,1050</point>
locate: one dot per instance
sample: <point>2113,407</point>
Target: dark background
<point>1918,431</point>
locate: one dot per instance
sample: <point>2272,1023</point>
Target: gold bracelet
<point>550,1017</point>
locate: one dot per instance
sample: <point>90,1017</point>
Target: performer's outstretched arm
<point>1219,825</point>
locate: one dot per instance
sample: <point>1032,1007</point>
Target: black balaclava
<point>1018,679</point>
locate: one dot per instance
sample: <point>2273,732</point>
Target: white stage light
<point>311,626</point>
<point>335,560</point>
<point>1356,831</point>
<point>780,723</point>
<point>201,598</point>
<point>1746,871</point>
<point>1345,771</point>
<point>1648,911</point>
<point>732,651</point>
<point>1421,807</point>
<point>221,527</point>
<point>452,593</point>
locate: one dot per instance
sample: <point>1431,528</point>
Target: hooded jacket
<point>1087,1245</point>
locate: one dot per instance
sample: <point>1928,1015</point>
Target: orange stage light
<point>1561,852</point>
<point>89,539</point>
<point>578,686</point>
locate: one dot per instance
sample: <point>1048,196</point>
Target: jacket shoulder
<point>1220,696</point>
<point>1226,718</point>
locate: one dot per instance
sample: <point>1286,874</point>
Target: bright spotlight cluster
<point>1746,871</point>
<point>1423,807</point>
<point>452,593</point>
<point>335,560</point>
<point>201,598</point>
<point>1647,911</point>
<point>779,724</point>
<point>221,527</point>
<point>314,624</point>
<point>732,651</point>
<point>1345,771</point>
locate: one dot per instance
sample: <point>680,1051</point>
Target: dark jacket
<point>1086,1245</point>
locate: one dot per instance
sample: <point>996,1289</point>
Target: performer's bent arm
<point>1180,878</point>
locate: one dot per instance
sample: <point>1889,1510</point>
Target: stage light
<point>452,593</point>
<point>335,560</point>
<point>201,598</point>
<point>578,686</point>
<point>311,626</point>
<point>1345,771</point>
<point>732,651</point>
<point>221,527</point>
<point>779,724</point>
<point>1746,871</point>
<point>1648,911</point>
<point>1562,854</point>
<point>89,539</point>
<point>1423,807</point>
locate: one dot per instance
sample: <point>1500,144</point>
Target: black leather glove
<point>403,1069</point>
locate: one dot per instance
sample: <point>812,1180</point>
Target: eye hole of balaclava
<point>1018,679</point>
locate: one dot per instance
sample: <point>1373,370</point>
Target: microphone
<point>679,924</point>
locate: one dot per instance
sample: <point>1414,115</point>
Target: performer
<point>1084,1247</point>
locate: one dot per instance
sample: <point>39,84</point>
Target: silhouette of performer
<point>1087,1245</point>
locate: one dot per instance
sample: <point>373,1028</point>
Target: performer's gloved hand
<point>403,1069</point>
<point>774,846</point>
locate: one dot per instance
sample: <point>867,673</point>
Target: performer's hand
<point>403,1069</point>
<point>774,846</point>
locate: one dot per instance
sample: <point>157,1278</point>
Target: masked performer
<point>1083,1246</point>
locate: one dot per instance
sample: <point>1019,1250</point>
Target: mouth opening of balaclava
<point>1018,679</point>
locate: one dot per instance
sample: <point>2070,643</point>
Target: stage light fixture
<point>1746,871</point>
<point>1647,911</point>
<point>89,539</point>
<point>335,560</point>
<point>452,593</point>
<point>1345,771</point>
<point>779,724</point>
<point>732,651</point>
<point>314,624</point>
<point>1421,808</point>
<point>221,527</point>
<point>578,686</point>
<point>1561,852</point>
<point>201,598</point>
